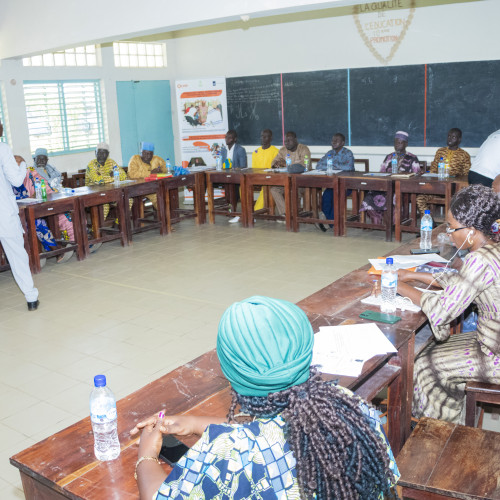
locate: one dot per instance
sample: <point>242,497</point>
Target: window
<point>64,116</point>
<point>79,56</point>
<point>140,55</point>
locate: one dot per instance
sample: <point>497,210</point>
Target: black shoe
<point>33,306</point>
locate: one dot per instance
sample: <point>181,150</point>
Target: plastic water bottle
<point>394,164</point>
<point>103,418</point>
<point>329,165</point>
<point>441,169</point>
<point>116,175</point>
<point>306,163</point>
<point>43,189</point>
<point>218,162</point>
<point>446,168</point>
<point>170,170</point>
<point>38,190</point>
<point>389,286</point>
<point>426,231</point>
<point>288,161</point>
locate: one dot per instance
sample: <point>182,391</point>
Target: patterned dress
<point>443,368</point>
<point>137,169</point>
<point>459,165</point>
<point>374,202</point>
<point>245,461</point>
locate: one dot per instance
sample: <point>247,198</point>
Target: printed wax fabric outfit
<point>443,369</point>
<point>97,174</point>
<point>11,230</point>
<point>297,156</point>
<point>137,169</point>
<point>343,160</point>
<point>43,233</point>
<point>459,165</point>
<point>245,461</point>
<point>261,159</point>
<point>375,202</point>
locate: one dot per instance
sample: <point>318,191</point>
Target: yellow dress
<point>262,158</point>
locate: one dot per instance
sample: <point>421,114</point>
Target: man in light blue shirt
<point>342,159</point>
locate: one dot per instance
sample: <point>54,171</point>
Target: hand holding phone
<point>172,449</point>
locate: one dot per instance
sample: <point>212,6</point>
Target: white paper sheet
<point>342,350</point>
<point>407,261</point>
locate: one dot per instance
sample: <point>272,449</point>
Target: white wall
<point>13,73</point>
<point>444,33</point>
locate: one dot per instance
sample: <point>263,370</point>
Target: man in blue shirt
<point>343,159</point>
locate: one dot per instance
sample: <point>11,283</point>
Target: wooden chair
<point>364,164</point>
<point>479,392</point>
<point>77,180</point>
<point>441,460</point>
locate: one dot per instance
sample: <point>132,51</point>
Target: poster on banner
<point>202,117</point>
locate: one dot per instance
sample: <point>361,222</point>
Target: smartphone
<point>420,251</point>
<point>172,449</point>
<point>382,317</point>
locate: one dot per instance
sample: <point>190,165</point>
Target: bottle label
<point>389,280</point>
<point>103,415</point>
<point>426,226</point>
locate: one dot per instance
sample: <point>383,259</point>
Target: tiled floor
<point>136,313</point>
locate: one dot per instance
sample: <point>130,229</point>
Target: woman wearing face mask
<point>444,367</point>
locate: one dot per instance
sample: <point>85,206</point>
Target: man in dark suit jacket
<point>234,151</point>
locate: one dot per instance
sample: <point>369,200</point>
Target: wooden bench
<point>442,460</point>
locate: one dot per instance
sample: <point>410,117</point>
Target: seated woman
<point>307,437</point>
<point>444,367</point>
<point>375,203</point>
<point>43,233</point>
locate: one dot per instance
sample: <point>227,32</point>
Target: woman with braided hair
<point>308,438</point>
<point>445,366</point>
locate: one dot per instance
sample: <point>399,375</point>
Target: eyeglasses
<point>450,230</point>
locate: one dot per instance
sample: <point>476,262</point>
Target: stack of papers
<point>342,350</point>
<point>200,168</point>
<point>407,261</point>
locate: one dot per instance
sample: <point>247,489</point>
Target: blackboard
<point>315,105</point>
<point>254,103</point>
<point>385,100</point>
<point>368,105</point>
<point>464,95</point>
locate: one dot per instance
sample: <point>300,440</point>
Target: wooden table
<point>413,186</point>
<point>136,223</point>
<point>56,204</point>
<point>341,300</point>
<point>358,181</point>
<point>93,198</point>
<point>442,460</point>
<point>255,177</point>
<point>314,182</point>
<point>64,465</point>
<point>232,179</point>
<point>171,185</point>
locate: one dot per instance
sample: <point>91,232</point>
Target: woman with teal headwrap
<point>308,438</point>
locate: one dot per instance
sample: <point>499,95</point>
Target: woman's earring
<point>469,239</point>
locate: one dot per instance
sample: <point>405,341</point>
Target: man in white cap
<point>51,175</point>
<point>11,231</point>
<point>375,202</point>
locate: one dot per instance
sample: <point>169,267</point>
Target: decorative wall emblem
<point>383,25</point>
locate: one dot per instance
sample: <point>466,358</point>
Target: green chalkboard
<point>464,95</point>
<point>315,105</point>
<point>385,100</point>
<point>254,103</point>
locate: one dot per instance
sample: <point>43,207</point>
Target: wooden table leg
<point>211,207</point>
<point>397,208</point>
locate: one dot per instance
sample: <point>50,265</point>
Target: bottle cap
<point>427,212</point>
<point>389,260</point>
<point>100,381</point>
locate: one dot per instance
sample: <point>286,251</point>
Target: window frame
<point>66,135</point>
